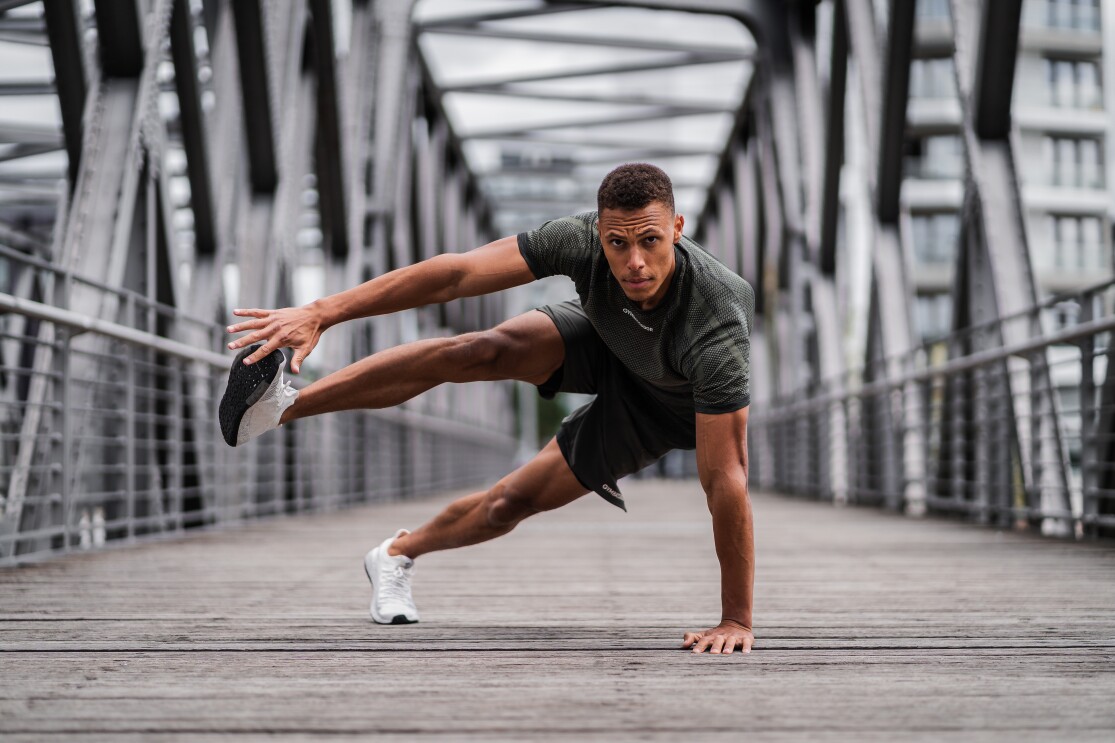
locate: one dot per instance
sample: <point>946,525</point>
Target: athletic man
<point>659,334</point>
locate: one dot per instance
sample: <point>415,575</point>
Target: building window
<point>1073,83</point>
<point>936,9</point>
<point>932,78</point>
<point>933,315</point>
<point>1075,162</point>
<point>1077,244</point>
<point>934,157</point>
<point>1068,15</point>
<point>935,238</point>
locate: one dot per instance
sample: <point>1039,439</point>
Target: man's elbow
<point>725,484</point>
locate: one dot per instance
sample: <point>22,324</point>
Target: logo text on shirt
<point>632,315</point>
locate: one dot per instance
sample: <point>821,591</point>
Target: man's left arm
<point>722,466</point>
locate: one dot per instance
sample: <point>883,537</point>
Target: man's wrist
<point>737,623</point>
<point>327,315</point>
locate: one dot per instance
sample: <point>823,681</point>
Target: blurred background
<point>919,192</point>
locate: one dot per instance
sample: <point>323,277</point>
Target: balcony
<point>1047,15</point>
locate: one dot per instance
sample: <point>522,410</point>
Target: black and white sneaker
<point>255,398</point>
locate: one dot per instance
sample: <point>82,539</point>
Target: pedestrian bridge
<point>869,626</point>
<point>935,501</point>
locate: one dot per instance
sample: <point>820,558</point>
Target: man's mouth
<point>638,281</point>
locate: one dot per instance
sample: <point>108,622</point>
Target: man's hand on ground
<point>722,638</point>
<point>299,328</point>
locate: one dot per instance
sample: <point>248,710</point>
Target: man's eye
<point>651,239</point>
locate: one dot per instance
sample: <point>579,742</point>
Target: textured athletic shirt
<point>695,342</point>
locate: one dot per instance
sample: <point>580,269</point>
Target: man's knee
<point>507,506</point>
<point>484,353</point>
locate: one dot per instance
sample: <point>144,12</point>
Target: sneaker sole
<point>246,385</point>
<point>397,619</point>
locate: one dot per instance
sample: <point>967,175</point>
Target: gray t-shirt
<point>696,341</point>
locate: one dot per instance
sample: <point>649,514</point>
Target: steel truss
<point>986,439</point>
<point>197,135</point>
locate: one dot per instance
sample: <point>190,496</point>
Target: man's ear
<point>679,226</point>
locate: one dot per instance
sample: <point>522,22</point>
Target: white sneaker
<point>390,577</point>
<point>255,398</point>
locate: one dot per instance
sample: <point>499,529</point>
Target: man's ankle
<point>397,547</point>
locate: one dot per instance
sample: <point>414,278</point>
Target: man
<point>659,335</point>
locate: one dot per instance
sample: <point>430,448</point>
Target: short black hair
<point>633,186</point>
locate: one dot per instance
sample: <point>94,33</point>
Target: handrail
<point>957,365</point>
<point>82,323</point>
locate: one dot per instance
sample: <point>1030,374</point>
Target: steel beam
<point>27,87</point>
<point>684,60</point>
<point>617,99</point>
<point>665,112</point>
<point>194,134</point>
<point>998,264</point>
<point>994,85</point>
<point>119,40</point>
<point>330,154</point>
<point>254,89</point>
<point>610,42</point>
<point>64,32</point>
<point>834,141</point>
<point>896,86</point>
<point>503,15</point>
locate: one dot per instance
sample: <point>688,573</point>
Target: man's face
<point>639,247</point>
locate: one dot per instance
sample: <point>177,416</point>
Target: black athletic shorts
<point>629,425</point>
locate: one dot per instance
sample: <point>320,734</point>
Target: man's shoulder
<point>712,280</point>
<point>576,231</point>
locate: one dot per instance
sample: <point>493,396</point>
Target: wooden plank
<point>871,627</point>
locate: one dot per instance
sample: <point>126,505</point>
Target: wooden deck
<point>871,627</point>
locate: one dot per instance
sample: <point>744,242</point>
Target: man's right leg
<point>542,484</point>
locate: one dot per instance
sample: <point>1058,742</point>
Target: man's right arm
<point>491,268</point>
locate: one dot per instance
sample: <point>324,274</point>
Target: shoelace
<point>284,397</point>
<point>396,584</point>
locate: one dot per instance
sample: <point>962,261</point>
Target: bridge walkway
<point>871,627</point>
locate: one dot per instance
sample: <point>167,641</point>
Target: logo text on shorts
<point>608,488</point>
<point>632,316</point>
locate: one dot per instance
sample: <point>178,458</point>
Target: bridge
<point>932,428</point>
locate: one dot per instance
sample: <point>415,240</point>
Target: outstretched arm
<point>491,268</point>
<point>722,466</point>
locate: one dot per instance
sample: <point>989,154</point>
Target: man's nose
<point>635,260</point>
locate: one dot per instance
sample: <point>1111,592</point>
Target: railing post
<point>1089,447</point>
<point>67,443</point>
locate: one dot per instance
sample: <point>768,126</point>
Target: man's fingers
<point>690,639</point>
<point>702,645</point>
<point>729,645</point>
<point>261,353</point>
<point>256,337</point>
<point>718,644</point>
<point>251,313</point>
<point>260,322</point>
<point>745,646</point>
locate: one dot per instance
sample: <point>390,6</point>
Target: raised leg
<point>527,347</point>
<point>542,484</point>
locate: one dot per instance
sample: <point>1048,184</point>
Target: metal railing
<point>1013,436</point>
<point>108,434</point>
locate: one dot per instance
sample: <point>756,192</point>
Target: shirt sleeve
<point>563,246</point>
<point>718,362</point>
